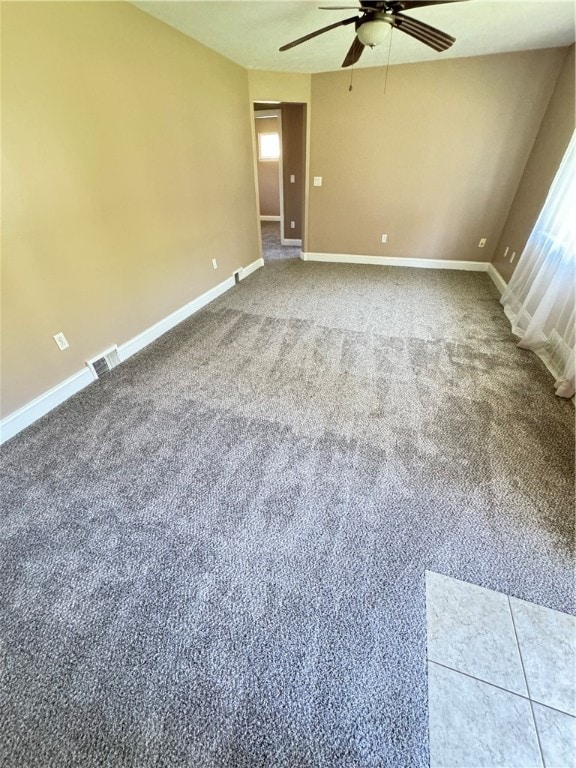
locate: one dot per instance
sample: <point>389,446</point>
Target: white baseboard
<point>41,405</point>
<point>290,241</point>
<point>396,261</point>
<point>46,402</point>
<point>497,278</point>
<point>270,218</point>
<point>245,271</point>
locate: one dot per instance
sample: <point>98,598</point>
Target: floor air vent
<point>104,363</point>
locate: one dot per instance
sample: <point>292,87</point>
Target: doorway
<point>280,142</point>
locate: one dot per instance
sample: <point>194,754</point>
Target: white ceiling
<point>250,32</point>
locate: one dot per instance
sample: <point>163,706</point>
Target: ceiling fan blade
<point>435,38</point>
<point>396,6</point>
<point>418,36</point>
<point>354,53</point>
<point>441,39</point>
<point>360,8</point>
<point>408,5</point>
<point>318,32</point>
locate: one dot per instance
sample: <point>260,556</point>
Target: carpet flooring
<point>272,248</point>
<point>215,555</point>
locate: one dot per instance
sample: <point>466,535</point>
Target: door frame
<point>258,114</point>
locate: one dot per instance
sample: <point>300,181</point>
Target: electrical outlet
<point>292,179</point>
<point>384,238</point>
<point>61,341</point>
<point>292,225</point>
<point>317,181</point>
<point>482,243</point>
<point>512,257</point>
<point>506,251</point>
<point>214,264</point>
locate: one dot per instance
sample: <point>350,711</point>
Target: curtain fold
<point>540,298</point>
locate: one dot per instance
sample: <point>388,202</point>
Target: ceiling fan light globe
<point>373,33</point>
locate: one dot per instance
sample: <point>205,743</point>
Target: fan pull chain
<point>351,76</point>
<point>388,60</point>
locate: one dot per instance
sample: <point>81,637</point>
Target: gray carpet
<point>272,248</point>
<point>215,556</point>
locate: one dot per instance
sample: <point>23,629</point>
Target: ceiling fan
<point>376,19</point>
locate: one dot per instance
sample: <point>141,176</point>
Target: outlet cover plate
<point>61,341</point>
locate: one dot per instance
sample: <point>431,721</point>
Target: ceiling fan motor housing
<point>372,28</point>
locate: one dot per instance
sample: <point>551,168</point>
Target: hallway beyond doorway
<point>272,250</point>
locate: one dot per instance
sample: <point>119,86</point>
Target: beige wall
<point>553,138</point>
<point>434,162</point>
<point>268,171</point>
<point>279,86</point>
<point>115,195</point>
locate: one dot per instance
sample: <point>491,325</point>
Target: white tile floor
<point>501,679</point>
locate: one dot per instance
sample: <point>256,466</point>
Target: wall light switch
<point>292,225</point>
<point>292,178</point>
<point>384,238</point>
<point>317,181</point>
<point>482,243</point>
<point>214,264</point>
<point>61,340</point>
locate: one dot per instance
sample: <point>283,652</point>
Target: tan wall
<point>280,86</point>
<point>434,162</point>
<point>553,138</point>
<point>293,159</point>
<point>268,171</point>
<point>127,166</point>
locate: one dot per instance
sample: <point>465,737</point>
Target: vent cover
<point>101,366</point>
<point>104,362</point>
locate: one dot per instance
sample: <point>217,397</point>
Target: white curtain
<point>539,299</point>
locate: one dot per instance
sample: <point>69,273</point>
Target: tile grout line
<point>480,680</point>
<point>500,688</point>
<point>526,680</point>
<point>554,709</point>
